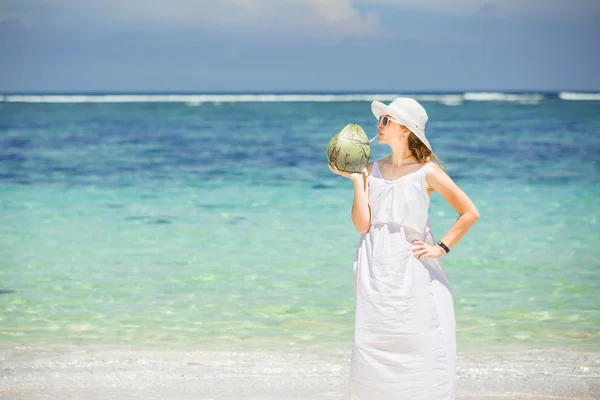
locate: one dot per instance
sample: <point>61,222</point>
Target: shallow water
<point>219,225</point>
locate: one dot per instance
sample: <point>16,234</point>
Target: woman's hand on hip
<point>423,250</point>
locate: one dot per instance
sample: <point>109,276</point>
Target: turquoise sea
<point>212,221</point>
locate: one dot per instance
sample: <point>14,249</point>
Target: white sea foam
<point>447,99</point>
<point>579,96</point>
<point>523,98</point>
<point>195,99</point>
<point>199,99</point>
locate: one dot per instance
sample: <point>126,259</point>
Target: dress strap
<point>423,173</point>
<point>376,165</point>
<point>425,167</point>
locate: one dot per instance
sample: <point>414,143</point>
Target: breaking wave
<point>449,99</point>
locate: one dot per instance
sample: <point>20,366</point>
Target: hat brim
<point>379,109</point>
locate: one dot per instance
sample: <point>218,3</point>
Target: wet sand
<point>311,373</point>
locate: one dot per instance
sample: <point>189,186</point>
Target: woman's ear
<point>404,131</point>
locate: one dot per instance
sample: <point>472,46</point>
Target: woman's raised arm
<point>361,211</point>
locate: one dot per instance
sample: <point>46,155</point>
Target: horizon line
<point>292,92</point>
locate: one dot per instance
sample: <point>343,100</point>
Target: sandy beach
<point>311,373</point>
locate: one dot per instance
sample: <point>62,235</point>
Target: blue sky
<point>299,45</point>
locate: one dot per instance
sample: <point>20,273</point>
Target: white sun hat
<point>406,111</point>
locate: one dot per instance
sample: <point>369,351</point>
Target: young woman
<point>405,330</point>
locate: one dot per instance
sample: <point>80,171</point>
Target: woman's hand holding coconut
<point>353,176</point>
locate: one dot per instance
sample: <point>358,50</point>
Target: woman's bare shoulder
<point>435,169</point>
<point>435,166</point>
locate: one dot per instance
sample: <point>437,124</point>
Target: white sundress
<point>405,330</point>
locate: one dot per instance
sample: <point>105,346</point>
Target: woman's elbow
<point>362,228</point>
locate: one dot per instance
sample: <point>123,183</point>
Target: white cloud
<point>331,18</point>
<point>307,18</point>
<point>500,7</point>
<point>338,18</point>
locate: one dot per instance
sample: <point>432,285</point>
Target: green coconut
<point>350,149</point>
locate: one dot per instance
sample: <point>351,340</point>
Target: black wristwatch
<point>443,246</point>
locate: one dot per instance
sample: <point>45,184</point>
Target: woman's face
<point>389,130</point>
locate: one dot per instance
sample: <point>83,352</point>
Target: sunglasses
<point>384,120</point>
